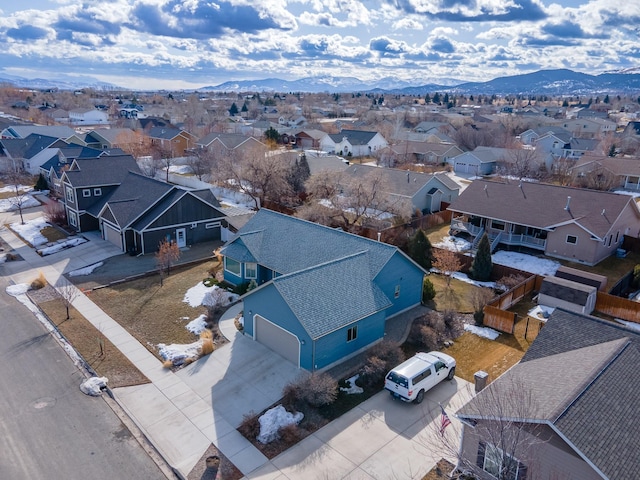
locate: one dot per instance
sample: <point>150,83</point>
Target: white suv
<point>409,380</point>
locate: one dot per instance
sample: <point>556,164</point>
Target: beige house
<point>577,224</point>
<point>566,411</point>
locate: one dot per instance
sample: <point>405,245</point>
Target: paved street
<point>48,428</point>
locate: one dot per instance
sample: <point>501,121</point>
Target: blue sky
<point>177,44</point>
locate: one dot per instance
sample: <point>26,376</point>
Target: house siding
<point>188,209</point>
<point>583,251</point>
<point>547,456</point>
<point>399,270</point>
<point>334,346</point>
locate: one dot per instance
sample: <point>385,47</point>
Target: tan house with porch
<point>581,225</point>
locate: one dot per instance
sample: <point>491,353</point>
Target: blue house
<point>323,294</point>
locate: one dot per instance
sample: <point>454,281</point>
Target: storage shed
<point>567,294</point>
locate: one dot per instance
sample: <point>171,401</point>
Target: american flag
<point>444,421</point>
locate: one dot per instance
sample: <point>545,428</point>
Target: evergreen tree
<point>420,249</point>
<point>482,266</point>
<point>272,134</point>
<point>233,111</point>
<point>244,108</point>
<point>299,174</point>
<point>436,98</point>
<point>428,290</point>
<point>41,183</point>
<point>427,99</point>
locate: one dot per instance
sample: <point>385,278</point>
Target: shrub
<point>250,426</point>
<point>382,358</point>
<point>39,282</point>
<point>428,290</point>
<point>241,289</point>
<point>290,434</point>
<point>482,266</point>
<point>511,281</point>
<point>210,282</point>
<point>54,213</point>
<point>207,341</point>
<point>318,389</point>
<point>478,318</point>
<point>41,183</point>
<point>429,337</point>
<point>291,397</point>
<point>419,249</point>
<point>252,285</point>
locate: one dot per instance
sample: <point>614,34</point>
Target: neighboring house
<point>61,160</point>
<point>172,140</point>
<point>480,161</point>
<point>572,400</point>
<point>23,131</point>
<point>231,142</point>
<point>423,152</point>
<point>105,138</point>
<point>425,192</point>
<point>309,139</point>
<point>531,136</point>
<point>356,143</point>
<point>589,127</point>
<point>30,152</point>
<point>624,170</point>
<point>325,163</point>
<point>323,294</point>
<point>88,183</point>
<point>565,146</point>
<point>143,211</point>
<point>88,116</point>
<point>576,224</point>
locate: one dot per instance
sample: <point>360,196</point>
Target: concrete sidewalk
<point>183,413</point>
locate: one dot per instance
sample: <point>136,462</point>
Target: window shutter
<point>480,458</point>
<point>522,472</point>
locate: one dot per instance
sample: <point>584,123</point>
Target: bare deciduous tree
<point>168,253</point>
<point>446,262</point>
<point>68,293</point>
<point>18,179</point>
<point>523,163</point>
<point>201,162</point>
<point>598,178</point>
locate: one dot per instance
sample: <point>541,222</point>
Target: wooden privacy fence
<point>514,295</point>
<point>618,307</point>
<point>498,319</point>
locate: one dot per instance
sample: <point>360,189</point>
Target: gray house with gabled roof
<point>356,143</point>
<point>143,211</point>
<point>572,400</point>
<point>323,294</point>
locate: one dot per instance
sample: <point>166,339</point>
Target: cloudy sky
<point>193,43</point>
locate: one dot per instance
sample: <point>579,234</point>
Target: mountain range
<point>542,82</point>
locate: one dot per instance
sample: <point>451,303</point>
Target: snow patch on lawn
<point>527,263</point>
<point>274,419</point>
<point>455,244</point>
<point>88,270</point>
<point>178,353</point>
<point>18,289</point>
<point>208,296</point>
<point>61,245</point>
<point>484,332</point>
<point>197,325</point>
<point>30,231</point>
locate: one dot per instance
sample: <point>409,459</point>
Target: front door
<point>181,237</point>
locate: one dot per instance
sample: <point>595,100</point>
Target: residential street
<point>48,428</point>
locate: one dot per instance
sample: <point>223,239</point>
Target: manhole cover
<point>44,402</point>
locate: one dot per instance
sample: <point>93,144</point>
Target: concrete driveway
<point>382,438</point>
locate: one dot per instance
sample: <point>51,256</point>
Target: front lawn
<point>152,313</point>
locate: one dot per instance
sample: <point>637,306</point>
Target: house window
<point>396,293</point>
<point>73,220</point>
<point>572,239</point>
<point>232,266</point>
<point>352,333</point>
<point>499,463</point>
<point>250,270</point>
<point>497,225</point>
<point>97,192</point>
<point>86,192</point>
<point>69,192</point>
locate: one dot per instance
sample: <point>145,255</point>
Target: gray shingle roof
<point>583,375</point>
<point>106,170</point>
<point>329,296</point>
<point>355,137</point>
<point>57,131</point>
<point>271,238</point>
<point>540,205</point>
<point>166,133</point>
<point>27,147</point>
<point>403,182</point>
<point>567,290</point>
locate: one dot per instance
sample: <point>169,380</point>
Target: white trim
<point>566,240</point>
<point>239,274</point>
<point>212,225</point>
<point>86,192</point>
<point>246,275</point>
<point>281,328</point>
<point>97,192</point>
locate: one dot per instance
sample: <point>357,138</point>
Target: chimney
<point>480,378</point>
<point>567,207</point>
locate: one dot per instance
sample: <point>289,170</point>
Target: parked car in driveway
<point>411,379</point>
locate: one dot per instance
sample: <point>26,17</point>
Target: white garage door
<point>280,341</point>
<point>461,167</point>
<point>112,235</point>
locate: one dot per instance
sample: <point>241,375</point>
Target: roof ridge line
<point>323,264</point>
